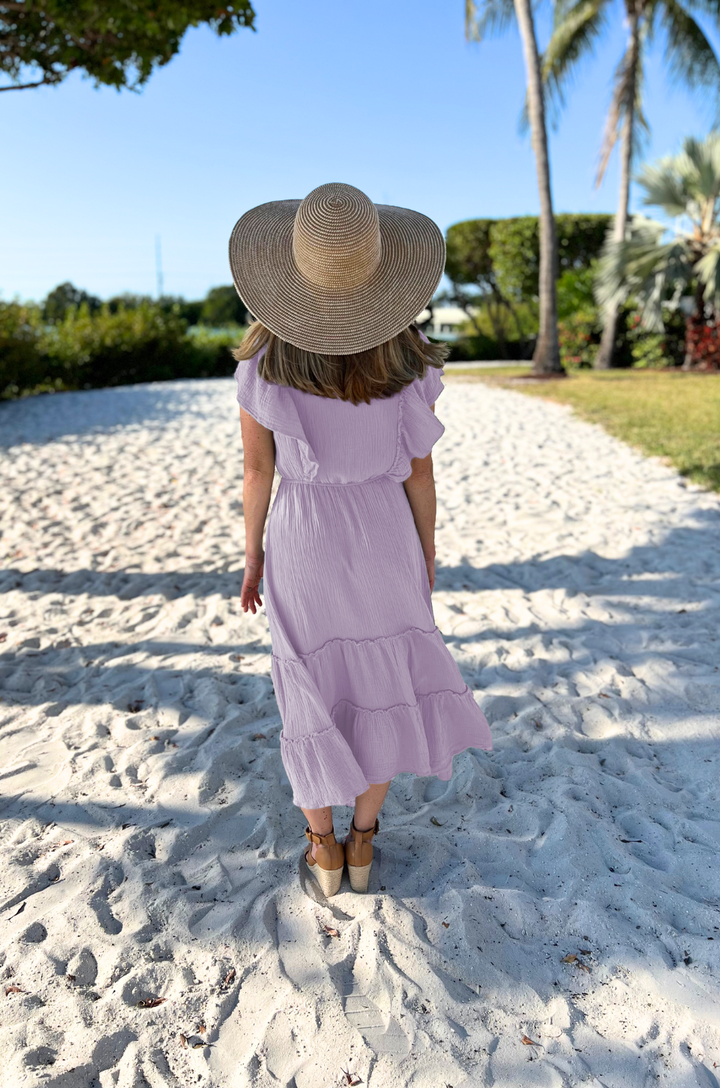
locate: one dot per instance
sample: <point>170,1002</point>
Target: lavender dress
<point>365,685</point>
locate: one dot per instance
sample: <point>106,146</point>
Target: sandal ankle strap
<point>321,840</point>
<point>370,831</point>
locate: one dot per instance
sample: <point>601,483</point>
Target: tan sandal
<point>329,862</point>
<point>359,856</point>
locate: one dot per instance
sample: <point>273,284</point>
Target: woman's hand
<point>249,595</point>
<point>430,564</point>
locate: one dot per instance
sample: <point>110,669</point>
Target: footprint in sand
<point>366,1017</point>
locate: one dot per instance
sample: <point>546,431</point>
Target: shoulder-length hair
<point>378,372</point>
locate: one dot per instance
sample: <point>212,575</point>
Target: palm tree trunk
<point>546,358</point>
<point>604,357</point>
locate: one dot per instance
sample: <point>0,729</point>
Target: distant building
<point>446,323</point>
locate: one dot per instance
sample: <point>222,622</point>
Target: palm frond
<point>663,186</point>
<point>643,266</point>
<point>641,127</point>
<point>487,17</point>
<point>628,77</point>
<point>578,25</point>
<point>699,165</point>
<point>688,183</point>
<point>689,55</point>
<point>705,7</point>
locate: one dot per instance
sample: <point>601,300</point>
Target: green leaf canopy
<point>117,43</point>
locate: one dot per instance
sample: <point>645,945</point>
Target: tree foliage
<point>117,43</point>
<point>515,249</point>
<point>467,259</point>
<point>65,296</point>
<point>223,306</point>
<point>469,265</point>
<point>503,254</point>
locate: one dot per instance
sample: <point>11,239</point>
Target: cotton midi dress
<point>365,685</point>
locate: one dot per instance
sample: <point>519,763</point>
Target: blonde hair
<point>378,372</point>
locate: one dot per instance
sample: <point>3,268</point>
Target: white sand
<point>153,851</point>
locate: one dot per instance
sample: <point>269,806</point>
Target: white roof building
<point>446,323</point>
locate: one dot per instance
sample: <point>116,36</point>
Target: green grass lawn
<point>667,414</point>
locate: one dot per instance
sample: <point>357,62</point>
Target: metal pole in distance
<point>158,267</point>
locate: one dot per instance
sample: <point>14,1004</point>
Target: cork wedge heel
<point>359,856</point>
<point>329,863</point>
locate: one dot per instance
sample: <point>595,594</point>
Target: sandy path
<point>149,846</point>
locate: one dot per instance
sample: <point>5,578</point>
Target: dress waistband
<point>326,483</point>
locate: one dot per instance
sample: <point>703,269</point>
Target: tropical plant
<point>489,15</point>
<point>578,24</point>
<point>114,42</point>
<point>653,269</point>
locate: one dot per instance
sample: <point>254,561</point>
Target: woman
<point>336,388</point>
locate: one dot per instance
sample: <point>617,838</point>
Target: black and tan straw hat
<point>335,273</point>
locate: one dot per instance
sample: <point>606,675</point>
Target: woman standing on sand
<point>336,387</point>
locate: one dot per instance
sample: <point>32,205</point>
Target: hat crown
<point>336,237</point>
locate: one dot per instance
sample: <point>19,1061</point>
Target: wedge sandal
<point>359,856</point>
<point>329,862</point>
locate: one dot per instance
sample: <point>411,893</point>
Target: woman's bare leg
<point>368,805</point>
<point>320,820</point>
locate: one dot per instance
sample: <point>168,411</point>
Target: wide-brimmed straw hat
<point>335,273</point>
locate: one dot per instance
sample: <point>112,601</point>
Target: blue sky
<point>384,94</point>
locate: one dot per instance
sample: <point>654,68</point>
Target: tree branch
<point>25,86</point>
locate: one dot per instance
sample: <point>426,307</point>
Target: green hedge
<point>94,349</point>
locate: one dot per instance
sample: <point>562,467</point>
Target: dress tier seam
<point>359,641</point>
<point>312,737</point>
<point>409,706</point>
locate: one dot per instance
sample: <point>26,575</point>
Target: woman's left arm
<point>258,474</point>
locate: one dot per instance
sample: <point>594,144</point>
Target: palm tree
<point>495,15</point>
<point>691,59</point>
<point>685,186</point>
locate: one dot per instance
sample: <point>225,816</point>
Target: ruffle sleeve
<point>418,426</point>
<point>273,407</point>
<point>431,386</point>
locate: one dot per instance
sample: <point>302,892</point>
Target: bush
<point>653,350</point>
<point>486,349</point>
<point>22,363</point>
<point>212,349</point>
<point>105,349</point>
<point>223,306</point>
<point>579,335</point>
<point>575,292</point>
<point>117,345</point>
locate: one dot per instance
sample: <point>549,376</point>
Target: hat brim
<point>327,320</point>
